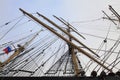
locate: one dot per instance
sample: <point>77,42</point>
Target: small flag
<point>7,50</point>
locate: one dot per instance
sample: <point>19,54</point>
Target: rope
<point>97,36</point>
<point>40,48</point>
<point>87,21</point>
<point>29,57</point>
<point>10,21</point>
<point>36,51</point>
<point>11,28</point>
<point>105,56</point>
<point>101,46</point>
<point>117,57</point>
<point>46,61</point>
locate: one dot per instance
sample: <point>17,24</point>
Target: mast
<point>72,53</point>
<point>66,40</point>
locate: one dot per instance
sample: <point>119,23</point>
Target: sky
<point>71,10</point>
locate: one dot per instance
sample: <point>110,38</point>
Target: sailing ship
<point>48,49</point>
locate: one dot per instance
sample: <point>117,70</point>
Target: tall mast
<point>66,40</point>
<point>72,53</point>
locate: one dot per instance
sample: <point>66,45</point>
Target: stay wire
<point>34,53</point>
<point>110,52</point>
<point>97,36</point>
<point>47,46</point>
<point>87,21</point>
<point>11,28</point>
<point>91,62</point>
<point>17,63</point>
<point>29,63</point>
<point>66,64</point>
<point>62,65</point>
<point>104,41</point>
<point>57,53</point>
<point>115,65</point>
<point>101,46</point>
<point>112,49</point>
<point>11,21</point>
<point>60,47</point>
<point>40,59</point>
<point>24,38</point>
<point>35,57</point>
<point>62,58</point>
<point>45,61</point>
<point>41,40</point>
<point>117,57</point>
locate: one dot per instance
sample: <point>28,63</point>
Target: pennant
<point>7,50</point>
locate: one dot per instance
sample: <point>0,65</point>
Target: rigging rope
<point>11,21</point>
<point>86,21</point>
<point>110,52</point>
<point>33,58</point>
<point>11,28</point>
<point>104,42</point>
<point>36,41</point>
<point>97,36</point>
<point>13,42</point>
<point>62,58</point>
<point>36,51</point>
<point>57,53</point>
<point>117,57</point>
<point>46,61</point>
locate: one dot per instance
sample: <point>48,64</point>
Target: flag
<point>7,49</point>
